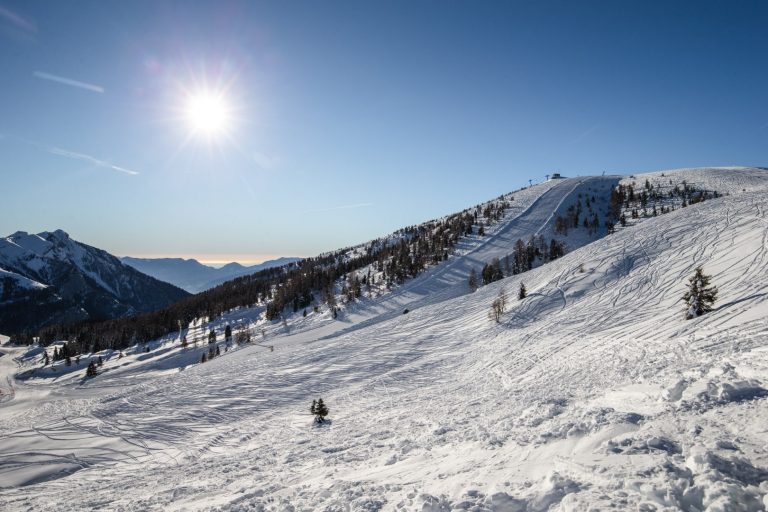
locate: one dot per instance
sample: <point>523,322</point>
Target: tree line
<point>396,258</point>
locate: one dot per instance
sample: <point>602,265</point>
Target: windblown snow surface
<point>592,393</point>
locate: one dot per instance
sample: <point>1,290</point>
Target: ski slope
<point>593,392</point>
<point>533,212</point>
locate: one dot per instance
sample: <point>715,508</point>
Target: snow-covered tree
<point>700,295</point>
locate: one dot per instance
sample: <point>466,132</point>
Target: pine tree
<point>700,295</point>
<point>523,292</point>
<point>472,281</point>
<point>212,336</point>
<point>319,410</point>
<point>228,334</point>
<point>91,371</point>
<point>100,361</point>
<point>68,360</point>
<point>204,358</point>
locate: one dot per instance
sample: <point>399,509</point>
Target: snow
<point>19,280</point>
<point>593,392</point>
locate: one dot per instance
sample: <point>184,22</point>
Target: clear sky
<point>325,124</point>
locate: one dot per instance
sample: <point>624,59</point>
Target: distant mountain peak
<point>193,276</point>
<point>57,279</point>
<point>232,266</point>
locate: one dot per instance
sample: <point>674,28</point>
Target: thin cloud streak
<point>342,207</point>
<point>89,159</point>
<point>582,135</point>
<point>17,20</point>
<point>68,81</point>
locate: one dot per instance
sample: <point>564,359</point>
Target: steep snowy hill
<point>536,209</point>
<point>193,276</point>
<point>591,393</point>
<point>61,280</point>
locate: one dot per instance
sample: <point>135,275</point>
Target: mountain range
<point>49,278</point>
<point>193,276</point>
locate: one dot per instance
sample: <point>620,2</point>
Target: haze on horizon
<point>243,131</point>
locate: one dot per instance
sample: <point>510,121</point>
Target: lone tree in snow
<point>523,292</point>
<point>498,306</point>
<point>472,280</point>
<point>319,409</point>
<point>91,371</point>
<point>700,295</point>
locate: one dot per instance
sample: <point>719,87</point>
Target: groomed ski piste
<point>593,392</point>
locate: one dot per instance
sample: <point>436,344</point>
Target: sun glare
<point>208,113</point>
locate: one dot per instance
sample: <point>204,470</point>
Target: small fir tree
<point>700,295</point>
<point>319,409</point>
<point>472,280</point>
<point>91,371</point>
<point>523,292</point>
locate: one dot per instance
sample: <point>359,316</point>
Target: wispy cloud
<point>342,207</point>
<point>92,160</point>
<point>68,81</point>
<point>583,135</point>
<point>17,20</point>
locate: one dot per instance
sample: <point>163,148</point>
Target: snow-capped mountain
<point>193,276</point>
<point>591,392</point>
<point>48,278</point>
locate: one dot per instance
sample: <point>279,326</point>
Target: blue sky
<point>351,119</point>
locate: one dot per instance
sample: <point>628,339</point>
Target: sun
<point>208,113</point>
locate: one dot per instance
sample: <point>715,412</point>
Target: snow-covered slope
<point>80,282</point>
<point>591,393</point>
<point>193,276</point>
<point>14,280</point>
